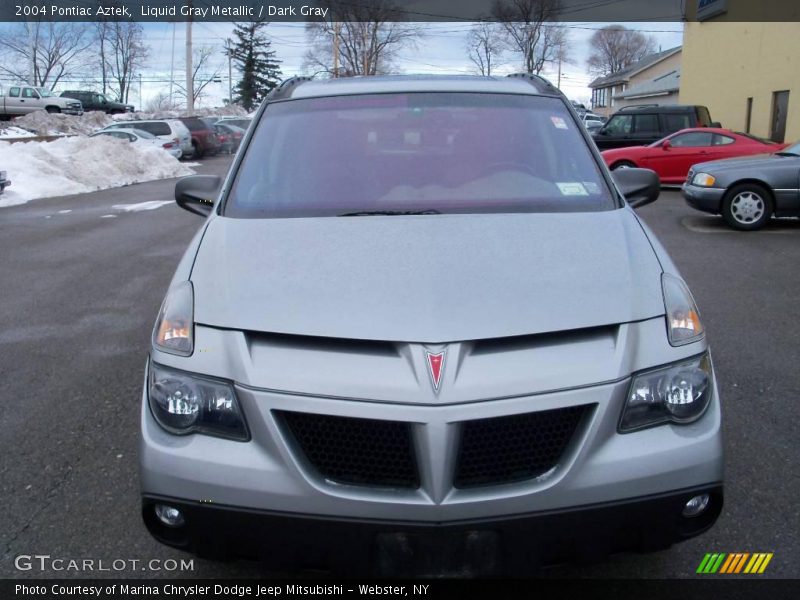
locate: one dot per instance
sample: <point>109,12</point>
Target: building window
<point>748,114</point>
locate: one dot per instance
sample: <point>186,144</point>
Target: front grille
<point>689,176</point>
<point>514,448</point>
<point>355,451</point>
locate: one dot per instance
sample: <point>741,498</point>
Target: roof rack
<point>284,89</point>
<point>637,106</point>
<point>538,81</point>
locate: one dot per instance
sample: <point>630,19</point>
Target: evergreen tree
<point>256,62</point>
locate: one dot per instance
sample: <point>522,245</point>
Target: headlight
<point>703,180</point>
<point>683,319</point>
<point>186,403</point>
<point>678,393</point>
<point>174,330</point>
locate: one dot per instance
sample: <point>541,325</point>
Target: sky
<point>441,50</point>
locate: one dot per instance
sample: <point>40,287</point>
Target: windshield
<point>420,152</point>
<point>44,93</point>
<point>144,134</point>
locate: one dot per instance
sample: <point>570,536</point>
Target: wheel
<point>53,109</point>
<point>747,206</point>
<point>623,164</point>
<point>197,152</point>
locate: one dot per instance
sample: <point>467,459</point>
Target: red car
<point>673,156</point>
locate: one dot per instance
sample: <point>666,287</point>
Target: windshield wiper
<point>391,213</point>
<point>782,153</point>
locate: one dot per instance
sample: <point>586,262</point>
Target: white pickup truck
<point>22,99</point>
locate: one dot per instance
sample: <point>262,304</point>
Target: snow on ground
<point>140,206</point>
<point>42,122</point>
<point>224,111</point>
<point>77,165</point>
<point>10,131</point>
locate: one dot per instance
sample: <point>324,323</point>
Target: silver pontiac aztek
<point>422,331</point>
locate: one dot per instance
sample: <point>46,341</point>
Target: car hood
<point>427,279</point>
<point>732,164</point>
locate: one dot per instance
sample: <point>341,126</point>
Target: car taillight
<point>168,145</point>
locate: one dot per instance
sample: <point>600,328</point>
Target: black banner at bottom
<point>652,589</point>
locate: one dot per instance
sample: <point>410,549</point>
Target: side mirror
<point>666,144</point>
<point>639,186</point>
<point>197,193</point>
<point>716,124</point>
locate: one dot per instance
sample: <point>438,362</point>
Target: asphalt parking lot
<point>81,280</point>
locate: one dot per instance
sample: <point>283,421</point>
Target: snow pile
<point>223,111</point>
<point>11,132</point>
<point>79,164</point>
<point>42,122</point>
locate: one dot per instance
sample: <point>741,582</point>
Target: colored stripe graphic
<point>734,563</point>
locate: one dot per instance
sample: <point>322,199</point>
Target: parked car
<point>747,192</point>
<point>230,136</point>
<point>21,100</point>
<point>421,310</point>
<point>96,101</point>
<point>4,181</point>
<point>645,124</point>
<point>165,129</point>
<point>139,136</point>
<point>672,157</point>
<point>593,126</point>
<point>204,139</point>
<point>243,122</point>
<point>593,118</point>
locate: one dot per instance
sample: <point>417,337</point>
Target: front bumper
<point>513,545</point>
<point>270,480</point>
<point>706,199</point>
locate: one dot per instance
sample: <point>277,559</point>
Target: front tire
<point>623,164</point>
<point>197,152</point>
<point>747,207</point>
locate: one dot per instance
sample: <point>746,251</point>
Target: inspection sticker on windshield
<point>572,188</point>
<point>559,122</point>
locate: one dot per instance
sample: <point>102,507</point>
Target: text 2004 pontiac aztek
<point>422,329</point>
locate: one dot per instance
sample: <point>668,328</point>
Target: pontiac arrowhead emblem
<point>435,367</point>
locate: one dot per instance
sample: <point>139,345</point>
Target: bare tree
<point>101,35</point>
<point>531,31</point>
<point>485,46</point>
<point>127,53</point>
<point>52,51</point>
<point>202,73</point>
<point>615,47</point>
<point>161,102</point>
<point>365,39</point>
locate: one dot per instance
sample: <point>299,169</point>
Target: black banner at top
<point>398,10</point>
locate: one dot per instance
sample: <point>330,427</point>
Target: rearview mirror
<point>639,186</point>
<point>197,193</point>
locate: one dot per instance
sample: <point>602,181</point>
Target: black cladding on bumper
<point>503,546</point>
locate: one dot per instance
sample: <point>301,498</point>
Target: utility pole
<point>558,85</point>
<point>229,52</point>
<point>189,74</point>
<point>172,66</point>
<point>32,46</point>
<point>141,101</point>
<point>336,30</point>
